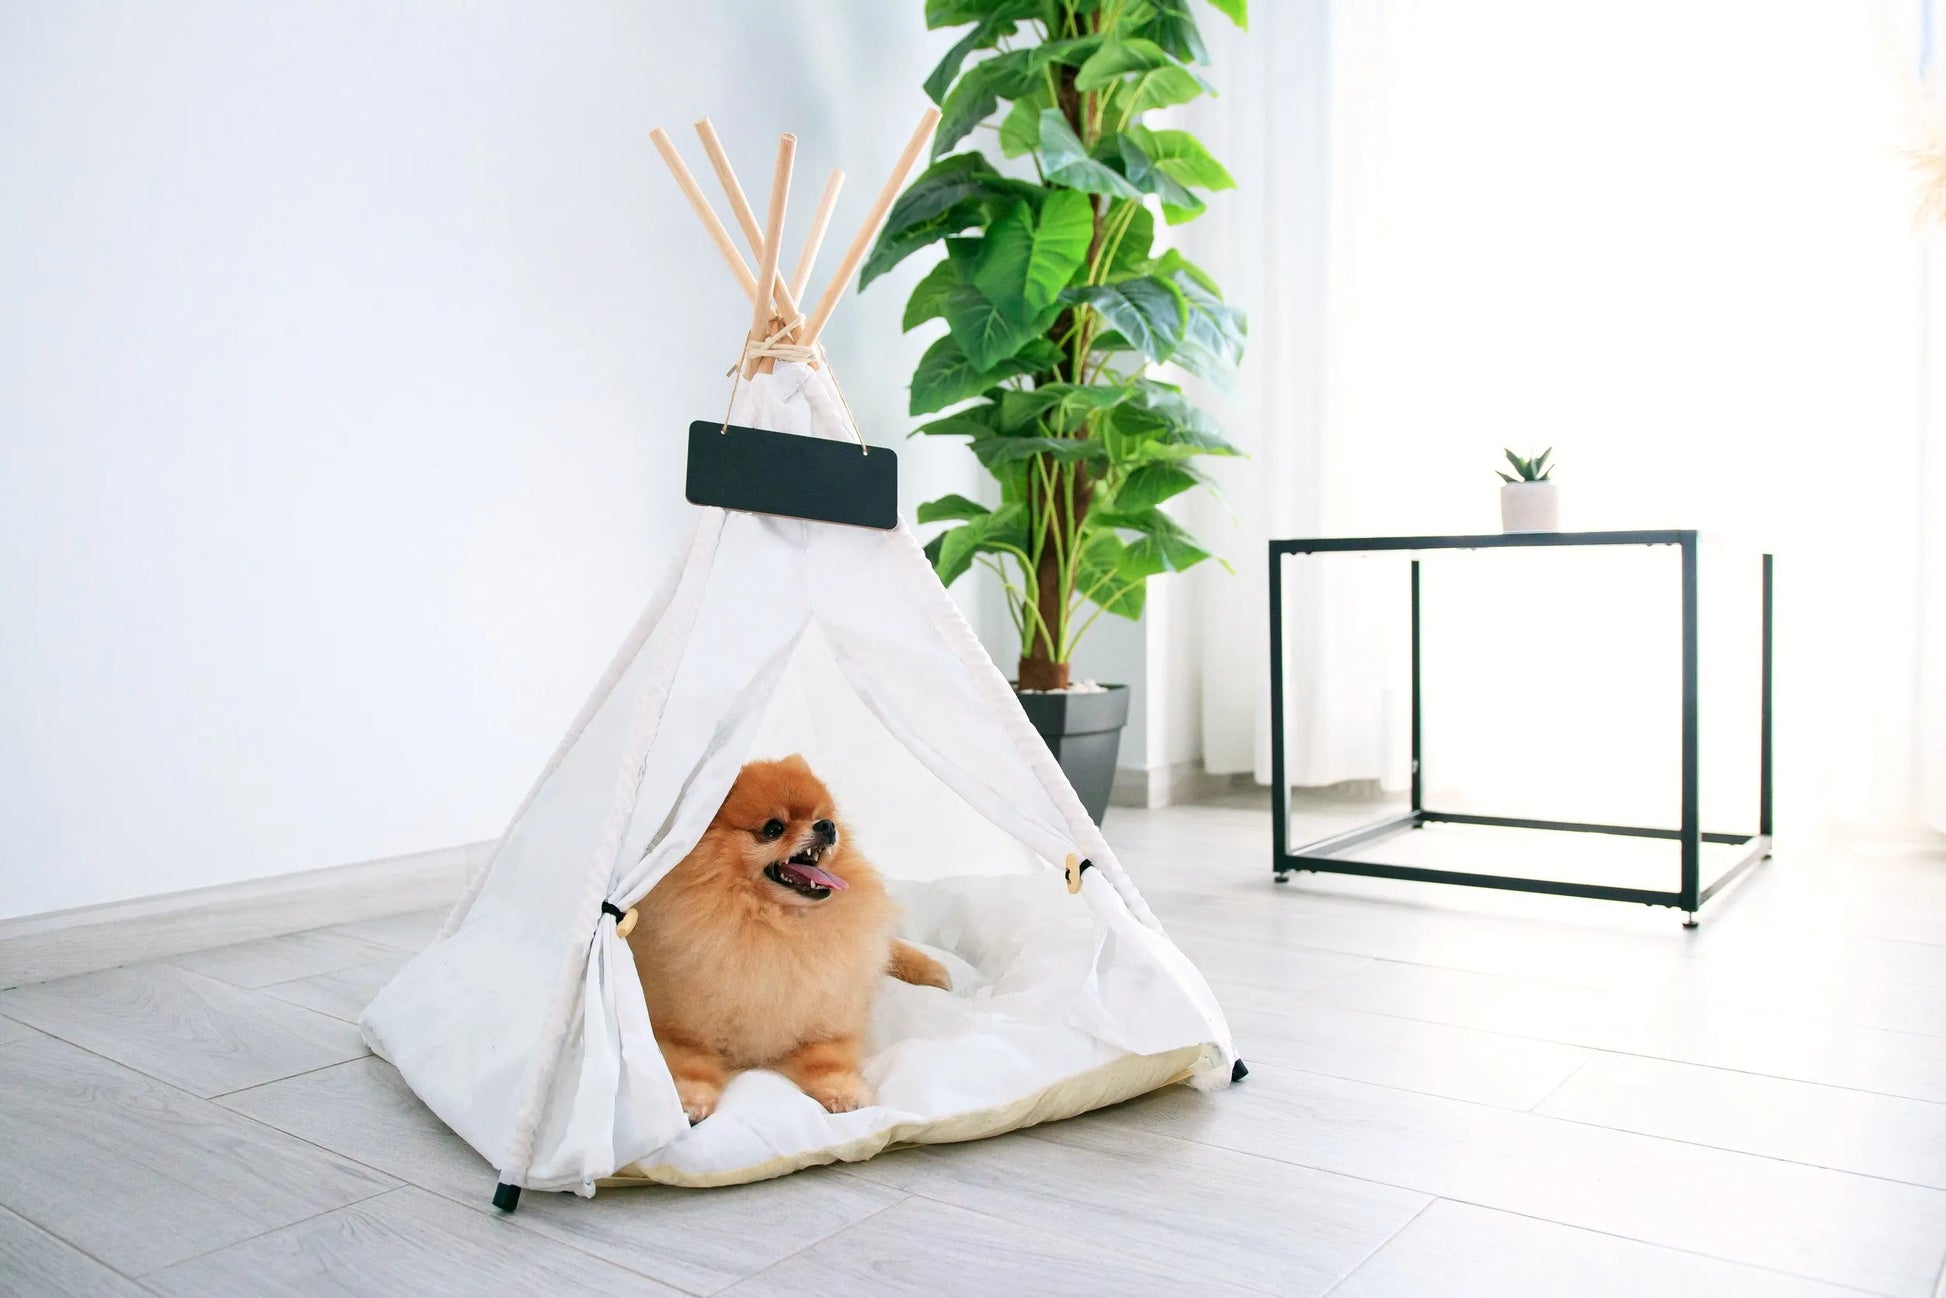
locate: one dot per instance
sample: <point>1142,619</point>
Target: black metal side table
<point>1690,892</point>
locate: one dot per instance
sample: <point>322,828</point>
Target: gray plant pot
<point>1085,733</point>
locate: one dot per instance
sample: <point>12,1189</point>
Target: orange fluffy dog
<point>764,946</point>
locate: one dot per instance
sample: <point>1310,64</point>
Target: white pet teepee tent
<point>524,1026</point>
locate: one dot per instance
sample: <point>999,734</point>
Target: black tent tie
<point>624,919</point>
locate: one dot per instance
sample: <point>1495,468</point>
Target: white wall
<point>345,355</point>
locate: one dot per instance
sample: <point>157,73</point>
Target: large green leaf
<point>988,332</point>
<point>964,253</point>
<point>1020,129</point>
<point>943,185</point>
<point>950,508</point>
<point>1027,258</point>
<point>894,246</point>
<point>1172,262</point>
<point>1066,162</point>
<point>1008,450</point>
<point>1149,312</point>
<point>1161,544</point>
<point>1171,26</point>
<point>978,92</point>
<point>951,13</point>
<point>951,195</point>
<point>1212,343</point>
<point>1103,572</point>
<point>974,421</point>
<point>1181,156</point>
<point>1131,255</point>
<point>1118,57</point>
<point>985,34</point>
<point>1178,204</point>
<point>1161,87</point>
<point>999,267</point>
<point>928,300</point>
<point>1060,407</point>
<point>945,375</point>
<point>1148,485</point>
<point>952,552</point>
<point>1162,419</point>
<point>1062,231</point>
<point>1069,53</point>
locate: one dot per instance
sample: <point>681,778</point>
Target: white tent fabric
<point>524,1027</point>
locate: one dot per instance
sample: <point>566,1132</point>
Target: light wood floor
<point>1452,1093</point>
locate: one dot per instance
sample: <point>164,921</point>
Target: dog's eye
<point>772,831</point>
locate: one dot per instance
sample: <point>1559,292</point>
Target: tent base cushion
<point>1109,1083</point>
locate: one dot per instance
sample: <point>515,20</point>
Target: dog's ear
<point>795,764</point>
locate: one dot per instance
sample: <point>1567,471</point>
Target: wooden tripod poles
<point>776,314</point>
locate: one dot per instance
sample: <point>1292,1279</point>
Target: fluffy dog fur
<point>763,948</point>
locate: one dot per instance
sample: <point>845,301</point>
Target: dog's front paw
<point>698,1099</point>
<point>911,965</point>
<point>842,1094</point>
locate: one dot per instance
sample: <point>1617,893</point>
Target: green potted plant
<point>1530,502</point>
<point>1059,298</point>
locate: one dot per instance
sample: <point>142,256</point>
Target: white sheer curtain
<point>1674,240</point>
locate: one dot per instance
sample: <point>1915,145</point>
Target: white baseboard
<point>1165,786</point>
<point>58,944</point>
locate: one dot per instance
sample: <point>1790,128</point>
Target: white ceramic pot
<point>1529,507</point>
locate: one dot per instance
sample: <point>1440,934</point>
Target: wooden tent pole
<point>815,239</point>
<point>869,230</point>
<point>697,200</point>
<point>747,218</point>
<point>780,192</point>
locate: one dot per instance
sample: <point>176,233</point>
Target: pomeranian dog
<point>764,946</point>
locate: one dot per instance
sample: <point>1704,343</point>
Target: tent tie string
<point>773,347</point>
<point>624,919</point>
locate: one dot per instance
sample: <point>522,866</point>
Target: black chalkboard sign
<point>816,478</point>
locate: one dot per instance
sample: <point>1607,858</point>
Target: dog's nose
<point>826,830</point>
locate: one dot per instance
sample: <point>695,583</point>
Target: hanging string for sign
<point>761,471</point>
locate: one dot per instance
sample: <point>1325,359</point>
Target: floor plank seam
<point>1430,1095</point>
<point>1668,1059</point>
<point>1630,1131</point>
<point>396,1186</point>
<point>1149,1135</point>
<point>1364,962</point>
<point>1771,1077</point>
<point>1380,1247</point>
<point>163,1081</point>
<point>586,1248</point>
<point>51,1233</point>
<point>1572,1073</point>
<point>172,962</point>
<point>1492,1207</point>
<point>904,1197</point>
<point>112,1063</point>
<point>326,1150</point>
<point>267,988</point>
<point>1745,1153</point>
<point>1672,1248</point>
<point>366,1053</point>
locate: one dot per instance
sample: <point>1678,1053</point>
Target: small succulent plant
<point>1534,470</point>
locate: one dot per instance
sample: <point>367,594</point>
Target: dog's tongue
<point>812,876</point>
